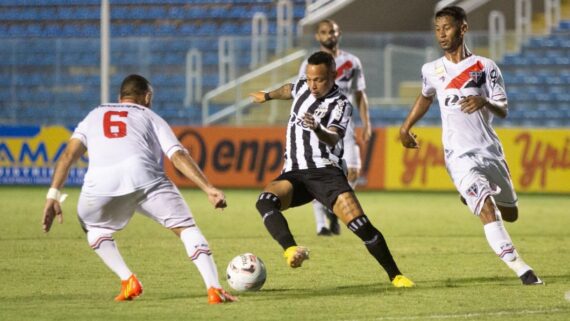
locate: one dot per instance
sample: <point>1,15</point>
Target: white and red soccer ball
<point>246,272</point>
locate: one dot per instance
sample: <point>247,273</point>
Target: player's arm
<point>329,136</point>
<point>363,110</point>
<point>419,109</point>
<point>73,151</point>
<point>187,166</point>
<point>473,103</point>
<point>495,101</point>
<point>284,92</point>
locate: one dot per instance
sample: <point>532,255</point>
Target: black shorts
<point>323,184</point>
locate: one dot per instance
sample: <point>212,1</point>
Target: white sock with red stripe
<point>501,243</point>
<point>103,244</point>
<point>199,252</point>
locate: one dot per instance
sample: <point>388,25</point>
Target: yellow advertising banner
<point>416,169</point>
<point>539,160</point>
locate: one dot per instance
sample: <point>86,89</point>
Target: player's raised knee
<point>267,203</point>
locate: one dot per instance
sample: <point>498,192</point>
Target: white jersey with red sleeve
<point>125,143</point>
<point>474,76</point>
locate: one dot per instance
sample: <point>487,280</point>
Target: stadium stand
<point>50,59</point>
<point>51,52</point>
<point>538,79</point>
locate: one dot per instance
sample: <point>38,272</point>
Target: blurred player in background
<point>126,142</point>
<point>470,91</point>
<point>351,82</point>
<point>320,114</point>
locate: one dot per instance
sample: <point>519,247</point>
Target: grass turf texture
<point>433,237</point>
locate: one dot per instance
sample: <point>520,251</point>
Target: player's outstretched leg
<point>377,246</point>
<point>199,252</point>
<point>501,243</point>
<point>102,242</point>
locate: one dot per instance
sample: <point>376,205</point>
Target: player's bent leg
<point>102,242</point>
<point>268,205</point>
<point>500,241</point>
<point>349,210</point>
<point>198,251</point>
<point>200,254</point>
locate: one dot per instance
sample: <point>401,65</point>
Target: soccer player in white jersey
<point>351,82</point>
<point>319,118</point>
<point>470,91</point>
<point>126,142</point>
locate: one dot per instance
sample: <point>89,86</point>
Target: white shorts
<point>351,154</point>
<point>477,177</point>
<point>161,202</point>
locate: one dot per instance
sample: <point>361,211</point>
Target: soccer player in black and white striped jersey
<point>313,169</point>
<point>351,82</point>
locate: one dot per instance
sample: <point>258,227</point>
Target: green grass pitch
<point>433,237</point>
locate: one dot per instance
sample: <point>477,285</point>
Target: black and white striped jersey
<point>304,150</point>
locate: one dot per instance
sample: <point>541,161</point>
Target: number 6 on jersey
<point>114,128</point>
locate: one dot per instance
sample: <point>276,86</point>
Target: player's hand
<point>52,210</point>
<point>408,139</point>
<point>471,104</point>
<point>258,97</point>
<point>310,121</point>
<point>217,198</point>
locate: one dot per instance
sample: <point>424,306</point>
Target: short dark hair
<point>321,57</point>
<point>134,86</point>
<point>457,13</point>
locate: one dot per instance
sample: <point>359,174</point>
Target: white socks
<point>319,210</point>
<point>501,243</point>
<point>199,252</point>
<point>103,244</point>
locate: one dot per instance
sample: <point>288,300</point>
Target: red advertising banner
<point>252,157</point>
<point>232,156</point>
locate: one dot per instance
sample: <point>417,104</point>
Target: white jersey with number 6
<point>474,76</point>
<point>125,143</point>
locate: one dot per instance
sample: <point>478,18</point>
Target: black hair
<point>457,13</point>
<point>135,86</point>
<point>321,57</point>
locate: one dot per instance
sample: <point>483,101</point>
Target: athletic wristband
<point>266,96</point>
<point>55,194</point>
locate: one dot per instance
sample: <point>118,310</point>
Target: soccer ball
<point>246,272</point>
